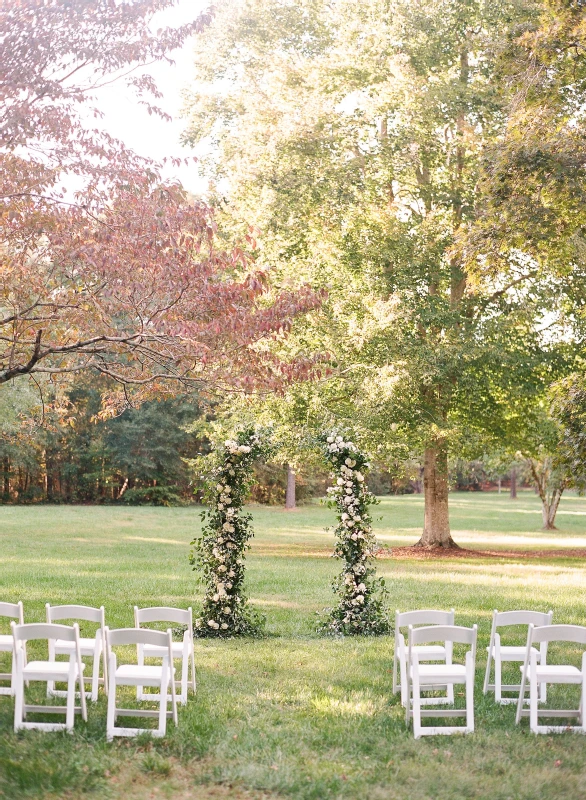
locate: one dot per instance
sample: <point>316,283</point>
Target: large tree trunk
<point>290,491</point>
<point>514,483</point>
<point>436,525</point>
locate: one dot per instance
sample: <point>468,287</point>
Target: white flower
<point>357,518</point>
<point>244,448</point>
<point>348,580</point>
<point>222,568</point>
<point>224,626</point>
<point>360,598</point>
<point>227,489</point>
<point>227,610</point>
<point>350,523</point>
<point>340,481</point>
<point>231,472</point>
<point>227,527</point>
<point>333,448</point>
<point>230,512</point>
<point>361,587</point>
<point>350,462</point>
<point>220,488</point>
<point>330,439</point>
<point>349,484</point>
<point>359,477</point>
<point>212,623</point>
<point>228,585</point>
<point>215,598</point>
<point>344,516</point>
<point>220,506</point>
<point>339,440</point>
<point>349,491</point>
<point>354,537</point>
<point>231,574</point>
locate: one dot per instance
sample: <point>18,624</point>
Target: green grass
<point>294,715</point>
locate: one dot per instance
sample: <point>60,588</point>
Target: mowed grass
<point>294,715</point>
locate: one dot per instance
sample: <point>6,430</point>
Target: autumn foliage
<point>122,275</point>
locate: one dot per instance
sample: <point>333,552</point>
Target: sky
<point>149,135</point>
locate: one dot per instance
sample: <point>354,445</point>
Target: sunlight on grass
<point>293,715</point>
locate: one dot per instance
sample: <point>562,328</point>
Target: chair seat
<point>6,642</point>
<point>50,668</point>
<point>86,646</point>
<point>513,653</point>
<point>135,674</point>
<point>558,673</point>
<point>154,651</point>
<point>441,673</point>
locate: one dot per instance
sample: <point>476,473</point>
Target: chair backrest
<point>86,613</point>
<point>442,633</point>
<point>536,618</point>
<point>124,636</point>
<point>557,633</point>
<point>13,611</point>
<point>423,617</point>
<point>44,630</point>
<point>179,616</point>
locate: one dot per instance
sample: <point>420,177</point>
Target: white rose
<point>360,598</point>
<point>231,574</point>
<point>333,448</point>
<point>224,626</point>
<point>361,587</point>
<point>231,472</point>
<point>339,440</point>
<point>344,516</point>
<point>349,484</point>
<point>215,598</point>
<point>354,537</point>
<point>350,523</point>
<point>340,481</point>
<point>227,610</point>
<point>349,491</point>
<point>222,568</point>
<point>359,477</point>
<point>227,489</point>
<point>211,623</point>
<point>228,586</point>
<point>220,488</point>
<point>330,439</point>
<point>220,506</point>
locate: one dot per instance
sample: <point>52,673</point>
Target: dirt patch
<point>423,554</point>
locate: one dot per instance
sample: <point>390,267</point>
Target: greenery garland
<point>361,610</point>
<point>218,554</point>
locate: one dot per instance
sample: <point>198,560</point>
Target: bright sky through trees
<point>148,134</point>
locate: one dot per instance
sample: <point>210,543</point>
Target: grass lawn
<point>294,715</point>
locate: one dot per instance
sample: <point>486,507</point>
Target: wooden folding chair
<point>140,675</point>
<point>94,647</point>
<point>422,676</point>
<point>184,650</point>
<point>70,672</point>
<point>538,674</point>
<point>500,653</point>
<point>12,611</point>
<point>434,652</point>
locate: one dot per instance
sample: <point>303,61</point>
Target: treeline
<point>75,457</point>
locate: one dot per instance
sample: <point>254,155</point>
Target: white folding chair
<point>539,674</point>
<point>433,652</point>
<point>422,676</point>
<point>184,650</point>
<point>12,611</point>
<point>90,647</point>
<point>70,672</point>
<point>140,675</point>
<point>500,653</point>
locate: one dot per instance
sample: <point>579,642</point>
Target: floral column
<point>360,609</point>
<point>219,552</point>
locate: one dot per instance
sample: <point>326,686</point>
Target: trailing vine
<point>360,609</point>
<point>218,553</point>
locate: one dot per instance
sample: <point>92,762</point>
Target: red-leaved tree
<point>123,276</point>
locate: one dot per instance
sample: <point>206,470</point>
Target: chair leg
<point>95,677</point>
<point>470,701</point>
<point>70,713</point>
<point>184,671</point>
<point>140,662</point>
<point>498,680</point>
<point>18,702</point>
<point>533,700</point>
<point>583,704</point>
<point>12,675</point>
<point>193,678</point>
<point>110,716</point>
<point>416,695</point>
<point>163,699</point>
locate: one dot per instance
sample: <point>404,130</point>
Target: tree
<point>123,276</point>
<point>354,136</point>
